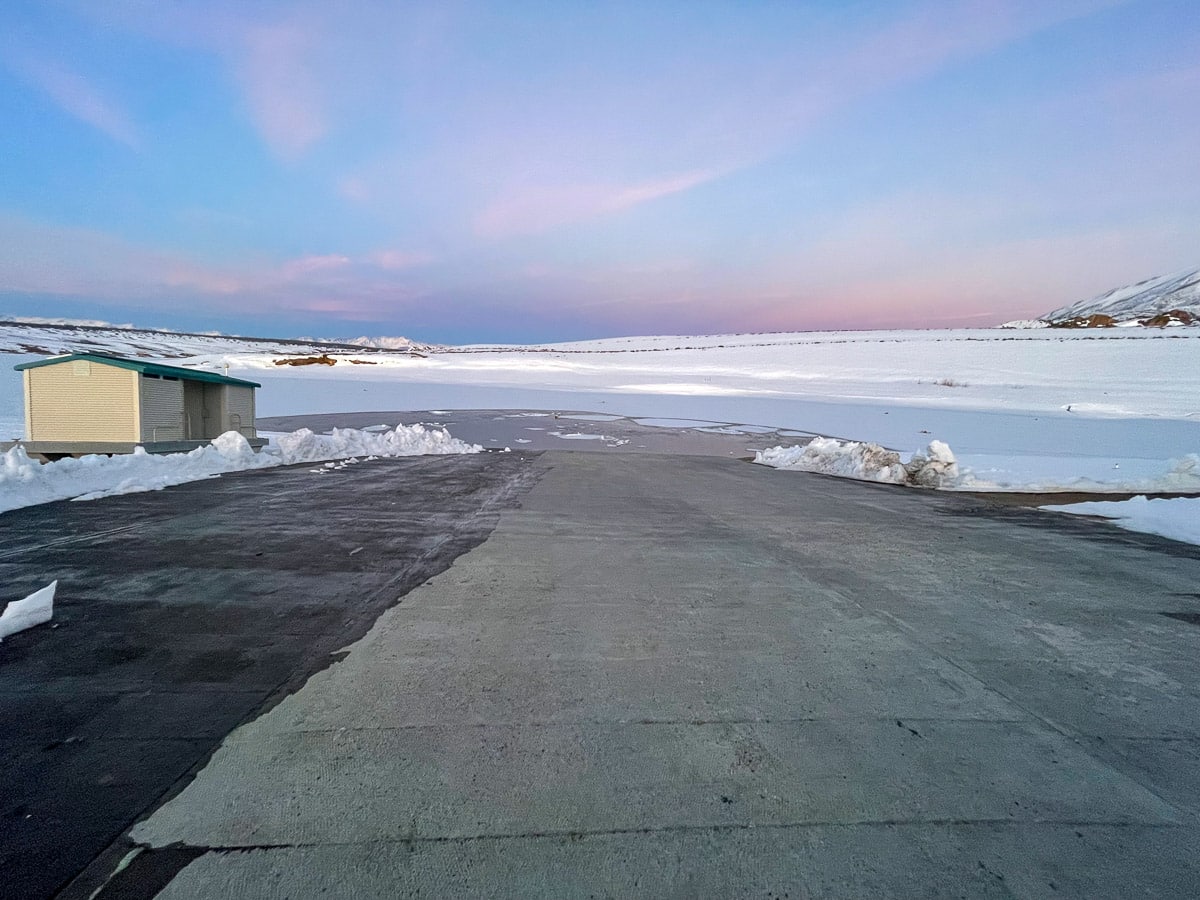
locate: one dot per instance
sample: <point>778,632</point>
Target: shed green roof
<point>137,365</point>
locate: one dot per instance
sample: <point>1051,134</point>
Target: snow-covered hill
<point>386,343</point>
<point>48,337</point>
<point>1139,302</point>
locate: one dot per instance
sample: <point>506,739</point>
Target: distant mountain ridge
<point>1154,297</point>
<point>50,337</point>
<point>385,343</point>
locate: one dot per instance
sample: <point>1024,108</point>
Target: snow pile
<point>341,443</point>
<point>1178,519</point>
<point>35,609</point>
<point>25,482</point>
<point>935,467</point>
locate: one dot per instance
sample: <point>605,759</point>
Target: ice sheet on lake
<point>677,423</point>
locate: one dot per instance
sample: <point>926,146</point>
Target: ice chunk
<point>936,467</point>
<point>35,609</point>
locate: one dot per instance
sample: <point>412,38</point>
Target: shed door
<point>193,410</point>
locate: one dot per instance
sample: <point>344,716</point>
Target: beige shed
<point>97,403</point>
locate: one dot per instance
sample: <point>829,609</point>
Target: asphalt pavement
<point>181,614</point>
<point>569,674</point>
<point>694,677</point>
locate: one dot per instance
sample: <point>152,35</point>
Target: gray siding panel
<point>239,410</point>
<point>162,409</point>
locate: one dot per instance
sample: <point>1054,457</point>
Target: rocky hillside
<point>1160,301</point>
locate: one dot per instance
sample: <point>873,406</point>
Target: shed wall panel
<point>28,405</point>
<point>162,409</point>
<point>239,410</point>
<point>85,401</point>
<point>193,410</point>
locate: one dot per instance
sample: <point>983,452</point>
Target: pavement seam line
<point>614,723</point>
<point>687,829</point>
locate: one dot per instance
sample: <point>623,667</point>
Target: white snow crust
<point>26,482</point>
<point>1178,518</point>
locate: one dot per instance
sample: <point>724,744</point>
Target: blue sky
<point>531,171</point>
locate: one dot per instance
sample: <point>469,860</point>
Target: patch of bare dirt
<point>1096,320</point>
<point>323,360</point>
<point>1170,317</point>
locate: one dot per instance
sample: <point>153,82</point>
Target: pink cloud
<point>300,268</point>
<point>354,188</point>
<point>985,283</point>
<point>77,96</point>
<point>536,209</point>
<point>395,260</point>
<point>48,259</point>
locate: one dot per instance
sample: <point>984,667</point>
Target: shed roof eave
<point>136,365</point>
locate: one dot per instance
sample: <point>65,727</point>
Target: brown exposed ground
<point>1098,320</point>
<point>1182,316</point>
<point>323,360</point>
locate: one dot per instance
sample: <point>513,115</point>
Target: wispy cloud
<point>398,260</point>
<point>538,208</point>
<point>309,265</point>
<point>273,55</point>
<point>272,63</point>
<point>75,95</point>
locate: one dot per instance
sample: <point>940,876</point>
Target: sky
<point>531,171</point>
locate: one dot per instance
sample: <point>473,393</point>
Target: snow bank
<point>935,467</point>
<point>25,482</point>
<point>341,443</point>
<point>35,609</point>
<point>1178,519</point>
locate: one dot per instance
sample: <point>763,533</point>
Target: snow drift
<point>26,482</point>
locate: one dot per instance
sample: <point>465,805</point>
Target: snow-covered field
<point>1039,410</point>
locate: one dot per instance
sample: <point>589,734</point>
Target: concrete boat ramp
<point>566,674</point>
